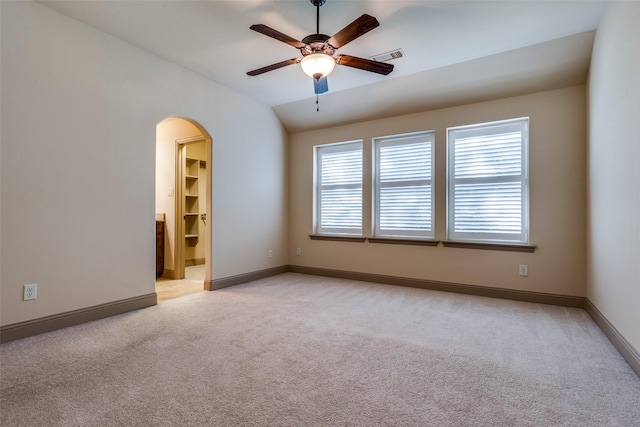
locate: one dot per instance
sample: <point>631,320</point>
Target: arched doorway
<point>183,198</point>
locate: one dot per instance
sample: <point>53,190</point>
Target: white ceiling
<point>455,51</point>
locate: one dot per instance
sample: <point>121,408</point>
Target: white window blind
<point>487,182</point>
<point>404,185</point>
<point>339,189</point>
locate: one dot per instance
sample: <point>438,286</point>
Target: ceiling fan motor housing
<point>317,43</point>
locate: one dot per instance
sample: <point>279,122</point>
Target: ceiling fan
<point>318,60</point>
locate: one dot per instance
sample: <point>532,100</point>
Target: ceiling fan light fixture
<point>318,63</point>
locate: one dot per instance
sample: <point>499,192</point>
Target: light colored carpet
<point>297,350</point>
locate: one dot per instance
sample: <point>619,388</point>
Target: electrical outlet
<point>523,270</point>
<point>270,253</point>
<point>30,292</point>
<point>298,251</point>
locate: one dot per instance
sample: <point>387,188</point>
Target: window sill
<point>428,242</point>
<point>338,238</point>
<point>490,246</point>
<point>395,241</point>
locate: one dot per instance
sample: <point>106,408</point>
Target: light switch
<point>170,191</point>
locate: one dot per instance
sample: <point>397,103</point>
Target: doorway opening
<point>183,208</point>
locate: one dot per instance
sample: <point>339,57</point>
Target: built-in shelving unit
<point>191,211</point>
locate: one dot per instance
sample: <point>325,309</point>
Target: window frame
<point>402,139</point>
<point>318,152</point>
<point>487,129</point>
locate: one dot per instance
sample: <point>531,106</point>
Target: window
<point>487,182</point>
<point>339,189</point>
<point>404,186</point>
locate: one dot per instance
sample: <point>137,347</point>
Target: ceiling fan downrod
<point>317,4</point>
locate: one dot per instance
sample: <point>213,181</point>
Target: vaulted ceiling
<point>455,52</point>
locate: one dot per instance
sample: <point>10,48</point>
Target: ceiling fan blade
<point>268,31</point>
<point>273,66</point>
<point>320,85</point>
<point>364,64</point>
<point>360,26</point>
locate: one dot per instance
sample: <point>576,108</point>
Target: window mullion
<point>416,183</point>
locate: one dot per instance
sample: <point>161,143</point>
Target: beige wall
<point>557,194</point>
<point>78,135</point>
<point>78,141</point>
<point>614,170</point>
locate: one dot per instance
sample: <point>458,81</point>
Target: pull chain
<point>317,103</point>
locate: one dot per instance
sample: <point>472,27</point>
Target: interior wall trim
<point>484,291</point>
<point>75,317</point>
<point>225,282</point>
<point>628,351</point>
<point>58,321</point>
